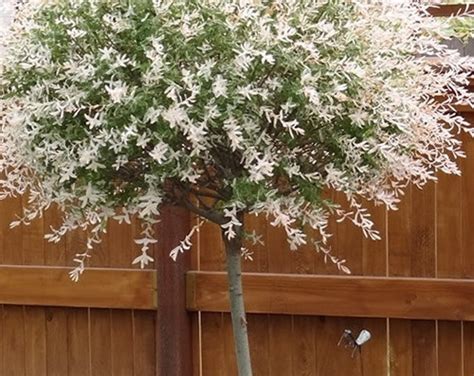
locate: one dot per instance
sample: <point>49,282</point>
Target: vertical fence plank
<point>2,341</point>
<point>56,319</point>
<point>145,343</point>
<point>259,344</point>
<point>258,324</point>
<point>449,226</point>
<point>100,320</point>
<point>401,354</point>
<point>212,257</point>
<point>422,248</point>
<point>468,348</point>
<point>374,353</point>
<point>304,350</point>
<point>280,326</point>
<point>35,341</point>
<point>423,261</point>
<point>120,242</point>
<point>424,347</point>
<point>467,215</point>
<point>14,337</point>
<point>78,351</point>
<point>78,319</point>
<point>212,248</point>
<point>100,329</point>
<point>100,256</point>
<point>412,253</point>
<point>212,324</point>
<point>228,345</point>
<point>281,341</point>
<point>346,243</point>
<point>449,265</point>
<point>78,339</point>
<point>374,263</point>
<point>399,237</point>
<point>122,344</point>
<point>213,357</point>
<point>374,252</point>
<point>56,342</point>
<point>13,316</point>
<point>35,317</point>
<point>54,253</point>
<point>333,359</point>
<point>196,324</point>
<point>12,237</point>
<point>450,362</point>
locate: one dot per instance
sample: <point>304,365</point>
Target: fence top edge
<point>196,273</point>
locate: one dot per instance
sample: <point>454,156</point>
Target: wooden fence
<point>414,291</point>
<point>84,336</point>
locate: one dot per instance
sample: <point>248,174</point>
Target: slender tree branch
<point>202,203</point>
<point>210,194</point>
<point>209,214</point>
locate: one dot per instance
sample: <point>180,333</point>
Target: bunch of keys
<point>354,343</point>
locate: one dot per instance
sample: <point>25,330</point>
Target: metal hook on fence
<point>352,342</point>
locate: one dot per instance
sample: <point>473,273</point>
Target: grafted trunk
<point>237,308</point>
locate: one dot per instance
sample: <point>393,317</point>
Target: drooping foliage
<point>113,108</point>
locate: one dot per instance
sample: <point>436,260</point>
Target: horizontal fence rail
<point>406,298</point>
<point>394,297</point>
<point>97,287</point>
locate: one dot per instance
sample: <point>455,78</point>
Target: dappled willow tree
<point>114,108</point>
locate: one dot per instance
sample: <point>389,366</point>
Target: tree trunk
<point>237,308</point>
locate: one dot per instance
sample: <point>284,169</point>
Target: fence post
<point>173,322</point>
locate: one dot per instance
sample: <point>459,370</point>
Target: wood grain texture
<point>35,341</point>
<point>280,327</point>
<point>449,252</point>
<point>259,325</point>
<point>78,355</point>
<point>446,10</point>
<point>374,252</point>
<point>100,329</point>
<point>33,253</point>
<point>450,354</point>
<point>51,286</point>
<point>213,357</point>
<point>346,243</point>
<point>424,347</point>
<point>122,343</point>
<point>173,322</point>
<point>468,348</point>
<point>56,342</point>
<point>401,348</point>
<point>228,346</point>
<point>423,264</point>
<point>144,336</point>
<point>14,337</point>
<point>412,253</point>
<point>410,298</point>
<point>60,340</point>
<point>259,337</point>
<point>374,353</point>
<point>467,240</point>
<point>54,253</point>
